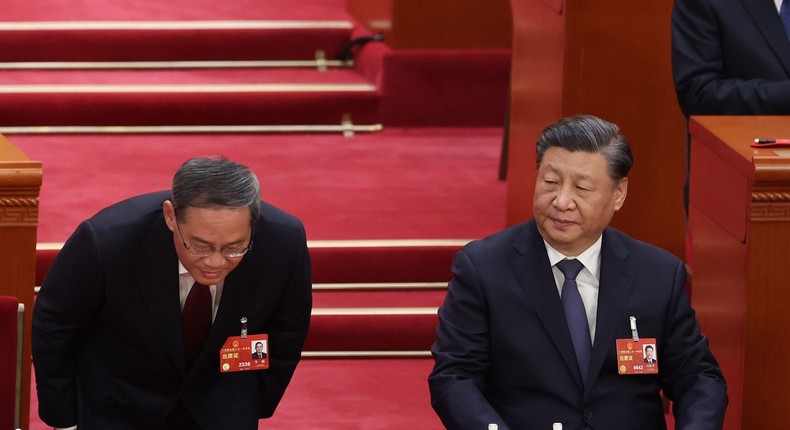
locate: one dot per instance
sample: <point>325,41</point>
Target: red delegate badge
<point>637,357</point>
<point>239,354</point>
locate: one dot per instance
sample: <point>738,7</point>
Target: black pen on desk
<point>767,141</point>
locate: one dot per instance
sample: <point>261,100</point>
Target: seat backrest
<point>9,362</point>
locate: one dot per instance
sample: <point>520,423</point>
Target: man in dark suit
<point>258,354</point>
<point>730,57</point>
<point>109,345</point>
<point>504,350</point>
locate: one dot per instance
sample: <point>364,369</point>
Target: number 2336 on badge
<point>637,357</point>
<point>240,354</point>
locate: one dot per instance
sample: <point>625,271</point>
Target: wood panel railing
<point>20,182</point>
<point>608,58</point>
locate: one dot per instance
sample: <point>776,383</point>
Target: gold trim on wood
<point>377,286</point>
<point>771,212</point>
<point>394,243</point>
<point>374,311</point>
<point>123,65</point>
<point>173,129</point>
<point>19,211</point>
<point>771,196</point>
<point>182,88</point>
<point>356,243</point>
<point>171,25</point>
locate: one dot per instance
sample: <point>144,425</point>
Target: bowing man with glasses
<point>131,321</point>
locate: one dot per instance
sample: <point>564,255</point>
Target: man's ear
<point>620,193</point>
<point>170,214</point>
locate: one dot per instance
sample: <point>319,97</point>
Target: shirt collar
<point>590,258</point>
<point>181,269</point>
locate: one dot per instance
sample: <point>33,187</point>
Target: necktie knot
<point>570,268</point>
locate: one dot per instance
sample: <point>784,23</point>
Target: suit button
<point>587,414</point>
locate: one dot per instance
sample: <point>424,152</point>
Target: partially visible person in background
<point>731,57</point>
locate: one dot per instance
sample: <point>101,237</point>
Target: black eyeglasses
<point>205,251</point>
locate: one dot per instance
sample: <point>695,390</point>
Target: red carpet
<point>364,394</point>
<point>350,394</point>
<point>397,184</point>
<point>102,10</point>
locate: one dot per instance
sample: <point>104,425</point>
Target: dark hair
<point>589,133</point>
<point>649,346</point>
<point>215,182</point>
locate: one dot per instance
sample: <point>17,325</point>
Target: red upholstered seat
<point>8,360</point>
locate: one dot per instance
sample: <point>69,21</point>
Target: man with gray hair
<point>543,322</point>
<point>139,320</point>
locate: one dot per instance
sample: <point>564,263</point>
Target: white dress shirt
<point>587,280</point>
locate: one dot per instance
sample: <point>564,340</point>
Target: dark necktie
<point>575,314</point>
<point>784,13</point>
<point>196,321</point>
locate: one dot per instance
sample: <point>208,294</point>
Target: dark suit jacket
<point>730,57</point>
<point>504,353</point>
<point>255,356</point>
<point>107,342</point>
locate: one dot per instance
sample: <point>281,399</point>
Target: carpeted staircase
<point>262,67</point>
<point>106,75</point>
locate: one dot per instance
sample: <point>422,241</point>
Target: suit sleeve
<point>461,351</point>
<point>70,297</point>
<point>698,64</point>
<point>692,377</point>
<point>287,330</point>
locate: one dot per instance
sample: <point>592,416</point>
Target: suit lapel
<point>157,275</point>
<point>766,18</point>
<point>615,287</point>
<point>531,267</point>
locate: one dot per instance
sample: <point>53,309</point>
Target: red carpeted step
<point>351,298</point>
<point>189,108</point>
<point>125,10</point>
<point>378,261</point>
<point>171,41</point>
<point>185,97</point>
<point>445,88</point>
<point>382,330</point>
<point>95,80</point>
<point>373,394</point>
<point>357,262</point>
<point>380,321</point>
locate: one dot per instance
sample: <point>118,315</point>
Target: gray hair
<point>589,133</point>
<point>215,182</point>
